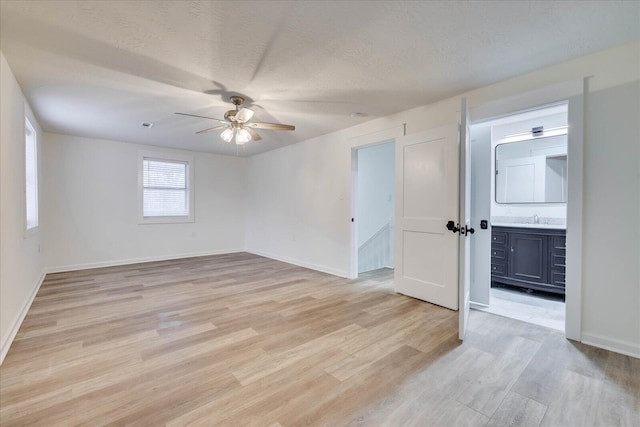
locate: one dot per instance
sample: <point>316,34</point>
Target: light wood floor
<point>239,340</point>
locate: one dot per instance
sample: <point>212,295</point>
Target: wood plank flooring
<point>241,340</point>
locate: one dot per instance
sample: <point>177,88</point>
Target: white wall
<point>91,205</point>
<point>376,187</point>
<point>21,260</point>
<point>298,206</point>
<point>611,237</point>
<point>299,196</point>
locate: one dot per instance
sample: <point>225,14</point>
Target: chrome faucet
<point>536,219</point>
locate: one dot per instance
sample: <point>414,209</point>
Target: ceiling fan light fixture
<point>242,136</point>
<point>227,134</point>
<point>237,126</point>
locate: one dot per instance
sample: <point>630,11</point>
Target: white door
<point>426,199</point>
<point>464,280</point>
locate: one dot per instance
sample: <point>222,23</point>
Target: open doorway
<point>519,196</point>
<point>374,185</point>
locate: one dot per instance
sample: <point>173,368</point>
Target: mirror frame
<point>495,184</point>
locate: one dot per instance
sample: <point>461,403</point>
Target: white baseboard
<point>619,346</point>
<point>478,306</point>
<point>115,263</point>
<point>6,343</point>
<point>323,269</point>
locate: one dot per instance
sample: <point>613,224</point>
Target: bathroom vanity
<point>530,256</point>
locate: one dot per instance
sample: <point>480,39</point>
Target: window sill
<point>166,220</point>
<point>30,232</point>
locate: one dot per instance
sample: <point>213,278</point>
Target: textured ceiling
<point>101,68</point>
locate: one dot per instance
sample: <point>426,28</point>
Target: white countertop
<point>524,225</point>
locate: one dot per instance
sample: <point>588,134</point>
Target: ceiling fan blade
<point>272,126</point>
<point>253,133</point>
<point>202,117</point>
<point>244,115</point>
<point>213,129</point>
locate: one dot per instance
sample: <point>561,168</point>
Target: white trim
<point>478,306</point>
<point>353,243</point>
<point>575,206</point>
<point>377,137</point>
<point>13,331</point>
<point>115,263</point>
<point>618,346</point>
<point>464,208</point>
<point>299,263</point>
<point>168,156</point>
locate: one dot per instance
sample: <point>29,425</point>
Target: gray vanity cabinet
<point>532,258</point>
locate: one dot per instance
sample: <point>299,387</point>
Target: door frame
<point>464,218</point>
<point>364,141</point>
<point>573,93</point>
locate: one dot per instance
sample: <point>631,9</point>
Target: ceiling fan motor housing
<point>237,100</point>
<point>229,114</point>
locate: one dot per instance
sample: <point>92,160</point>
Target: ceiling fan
<point>237,125</point>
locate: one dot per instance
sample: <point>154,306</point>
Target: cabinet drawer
<point>559,242</point>
<point>558,261</point>
<point>498,237</point>
<point>498,253</point>
<point>498,269</point>
<point>557,278</point>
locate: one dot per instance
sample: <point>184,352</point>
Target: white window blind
<point>31,175</point>
<point>165,188</point>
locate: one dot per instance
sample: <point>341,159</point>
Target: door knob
<point>451,226</point>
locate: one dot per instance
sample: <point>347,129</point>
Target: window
<point>166,188</point>
<point>31,175</point>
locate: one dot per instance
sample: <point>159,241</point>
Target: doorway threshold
<point>519,305</point>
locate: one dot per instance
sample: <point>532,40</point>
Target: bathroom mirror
<point>532,171</point>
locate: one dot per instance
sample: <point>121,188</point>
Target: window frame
<point>29,128</point>
<point>167,157</point>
